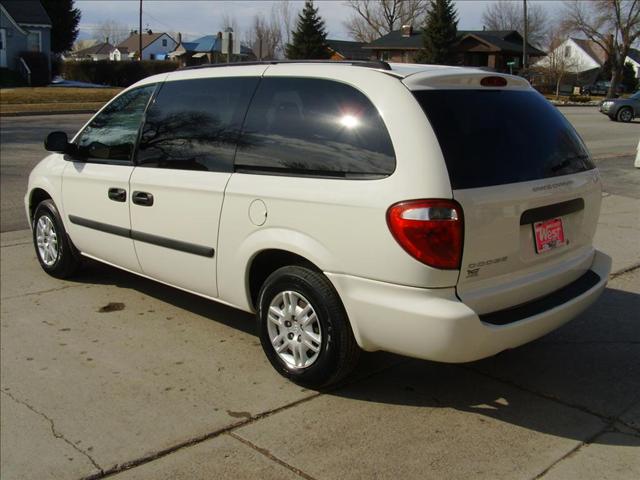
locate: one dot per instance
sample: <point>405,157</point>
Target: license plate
<point>548,234</point>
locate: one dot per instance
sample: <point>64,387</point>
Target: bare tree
<point>559,61</point>
<point>112,31</point>
<point>228,20</point>
<point>509,15</point>
<point>265,36</point>
<point>82,44</point>
<point>612,24</point>
<point>284,15</point>
<point>372,19</point>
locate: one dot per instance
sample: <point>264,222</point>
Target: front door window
<point>112,134</point>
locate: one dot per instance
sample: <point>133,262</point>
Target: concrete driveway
<point>113,375</point>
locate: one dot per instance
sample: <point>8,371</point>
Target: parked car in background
<point>622,109</point>
<point>437,212</point>
<point>600,88</point>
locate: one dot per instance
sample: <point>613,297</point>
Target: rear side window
<point>494,137</point>
<point>306,126</point>
<point>194,124</point>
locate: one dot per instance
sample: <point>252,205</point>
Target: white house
<point>634,59</point>
<point>586,57</point>
<point>581,57</point>
<point>155,46</point>
<point>119,54</point>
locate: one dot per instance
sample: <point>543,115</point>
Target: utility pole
<point>140,35</point>
<point>524,40</point>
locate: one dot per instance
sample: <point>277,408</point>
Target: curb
<point>33,114</point>
<point>596,105</point>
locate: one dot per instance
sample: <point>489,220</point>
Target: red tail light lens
<point>493,82</point>
<point>431,231</point>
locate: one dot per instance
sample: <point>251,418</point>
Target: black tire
<point>625,114</point>
<point>338,351</point>
<point>67,260</point>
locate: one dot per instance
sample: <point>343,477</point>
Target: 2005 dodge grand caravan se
<point>437,212</point>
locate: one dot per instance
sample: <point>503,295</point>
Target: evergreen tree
<point>310,36</point>
<point>439,34</point>
<point>629,79</point>
<point>64,24</point>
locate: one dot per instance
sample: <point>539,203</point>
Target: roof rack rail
<point>355,63</point>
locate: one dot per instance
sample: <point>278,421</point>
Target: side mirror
<point>57,142</point>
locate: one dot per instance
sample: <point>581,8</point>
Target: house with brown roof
<point>497,50</point>
<point>155,46</point>
<point>97,51</point>
<point>347,50</point>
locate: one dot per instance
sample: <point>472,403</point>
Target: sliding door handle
<point>142,198</point>
<point>118,194</point>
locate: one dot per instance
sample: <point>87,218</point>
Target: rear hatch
<point>529,192</point>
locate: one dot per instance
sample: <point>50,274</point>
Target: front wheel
<point>57,256</point>
<point>304,329</point>
<point>624,115</point>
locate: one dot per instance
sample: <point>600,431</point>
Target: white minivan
<point>437,212</point>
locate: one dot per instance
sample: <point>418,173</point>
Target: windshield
<point>495,137</point>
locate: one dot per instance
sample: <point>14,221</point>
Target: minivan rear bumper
<point>433,324</point>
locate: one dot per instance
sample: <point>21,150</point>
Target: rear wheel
<point>57,256</point>
<point>304,329</point>
<point>624,115</point>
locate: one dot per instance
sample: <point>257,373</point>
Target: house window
<point>34,41</point>
<point>164,42</point>
<point>567,51</point>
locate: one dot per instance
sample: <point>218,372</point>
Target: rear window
<point>494,137</point>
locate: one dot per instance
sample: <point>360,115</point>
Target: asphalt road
<point>21,148</point>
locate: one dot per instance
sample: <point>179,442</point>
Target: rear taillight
<point>431,231</point>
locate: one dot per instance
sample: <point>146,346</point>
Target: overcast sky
<point>203,17</point>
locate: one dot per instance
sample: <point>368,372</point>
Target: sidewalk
<point>114,374</point>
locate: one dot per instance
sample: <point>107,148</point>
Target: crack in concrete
<point>624,270</point>
<point>26,242</point>
<point>54,432</point>
<point>271,456</point>
<point>118,468</point>
<point>57,289</point>
<point>574,450</point>
<point>609,427</point>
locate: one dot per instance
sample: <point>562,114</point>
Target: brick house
<point>493,49</point>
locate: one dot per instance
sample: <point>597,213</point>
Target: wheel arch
<point>36,196</point>
<point>267,261</point>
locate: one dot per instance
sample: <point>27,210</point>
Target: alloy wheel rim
<point>625,115</point>
<point>294,329</point>
<point>47,241</point>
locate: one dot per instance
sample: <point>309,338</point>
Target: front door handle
<point>142,198</point>
<point>118,194</point>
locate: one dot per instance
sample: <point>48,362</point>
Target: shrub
<point>39,65</point>
<point>11,79</point>
<point>579,98</point>
<point>118,74</point>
